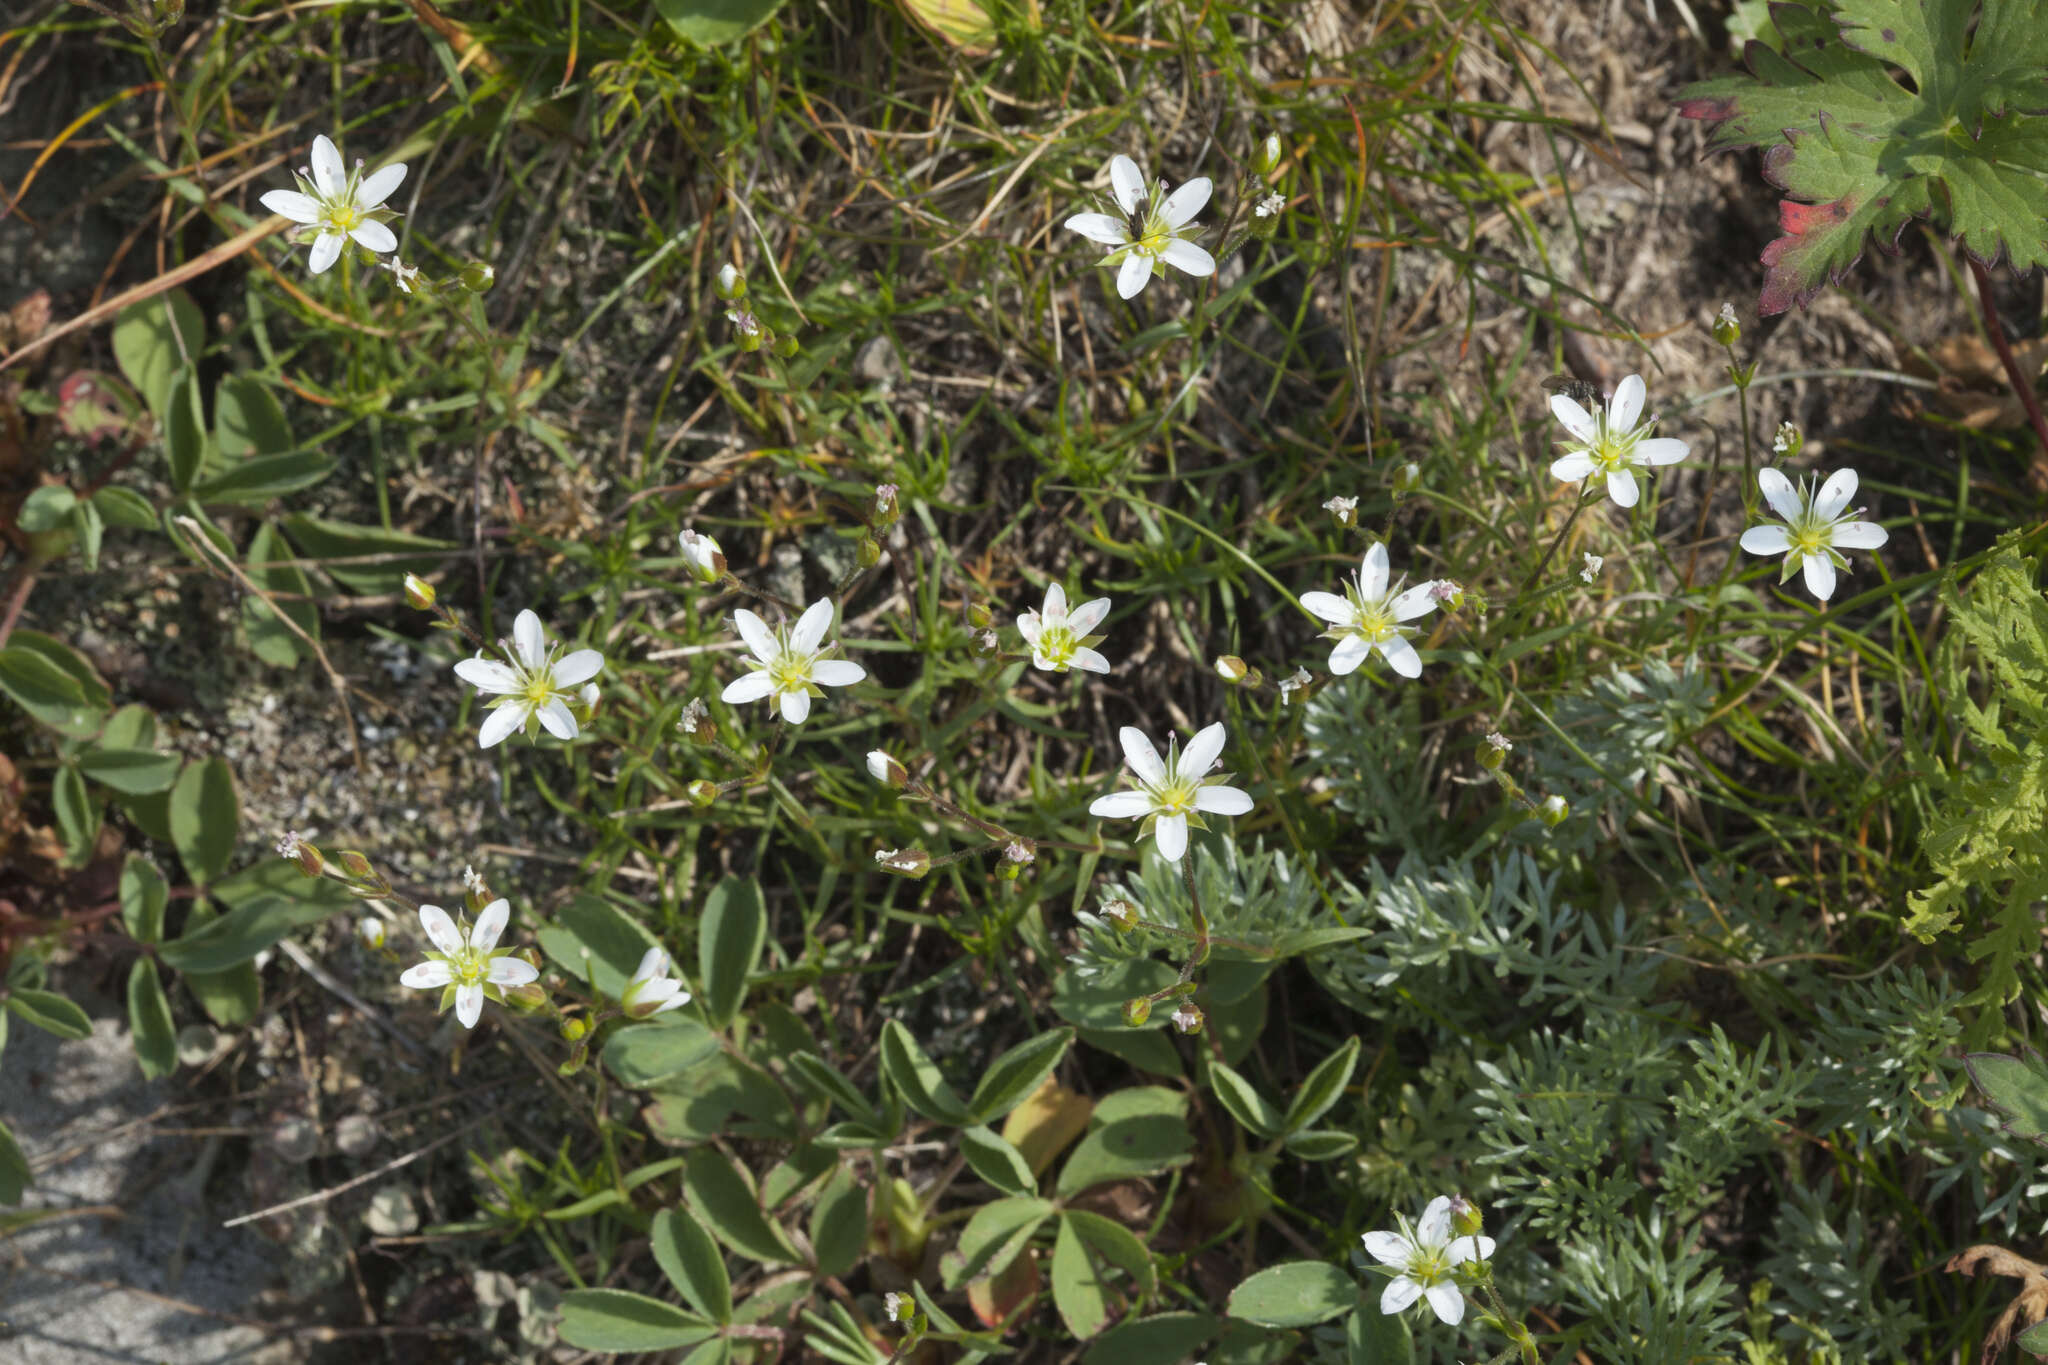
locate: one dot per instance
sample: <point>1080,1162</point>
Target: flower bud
<point>1408,478</point>
<point>1343,510</point>
<point>1788,441</point>
<point>419,593</point>
<point>1121,914</point>
<point>1554,811</point>
<point>886,770</point>
<point>703,791</point>
<point>1232,669</point>
<point>786,347</point>
<point>1466,1218</point>
<point>1187,1017</point>
<point>913,863</point>
<point>1137,1012</point>
<point>702,554</point>
<point>1268,159</point>
<point>589,698</point>
<point>573,1030</point>
<point>747,329</point>
<point>1495,751</point>
<point>291,844</point>
<point>530,998</point>
<point>887,508</point>
<point>477,277</point>
<point>731,284</point>
<point>867,554</point>
<point>979,616</point>
<point>370,932</point>
<point>357,867</point>
<point>1727,331</point>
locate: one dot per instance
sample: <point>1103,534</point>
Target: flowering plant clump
<point>335,206</point>
<point>1612,443</point>
<point>1371,616</point>
<point>1174,792</point>
<point>1422,1259</point>
<point>1152,232</point>
<point>531,685</point>
<point>467,970</point>
<point>1059,638</point>
<point>789,663</point>
<point>1815,529</point>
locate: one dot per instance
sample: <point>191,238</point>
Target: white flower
<point>703,555</point>
<point>886,770</point>
<point>789,663</point>
<point>1345,510</point>
<point>1726,317</point>
<point>1059,639</point>
<point>1592,569</point>
<point>1369,617</point>
<point>370,930</point>
<point>1612,442</point>
<point>1817,528</point>
<point>468,971</point>
<point>1173,792</point>
<point>1269,206</point>
<point>1422,1257</point>
<point>1187,1018</point>
<point>652,990</point>
<point>533,685</point>
<point>1161,224</point>
<point>589,696</point>
<point>338,205</point>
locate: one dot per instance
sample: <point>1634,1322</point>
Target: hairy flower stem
<point>2021,383</point>
<point>1201,950</point>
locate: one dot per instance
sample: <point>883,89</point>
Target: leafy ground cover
<point>1636,890</point>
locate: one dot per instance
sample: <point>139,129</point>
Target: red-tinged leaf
<point>1796,263</point>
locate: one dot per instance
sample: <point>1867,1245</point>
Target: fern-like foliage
<point>1987,839</point>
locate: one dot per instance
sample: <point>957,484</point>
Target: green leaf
<point>1323,1086</point>
<point>996,1161</point>
<point>206,816</point>
<point>1162,1339</point>
<point>149,1020</point>
<point>616,1320</point>
<point>2018,1088</point>
<point>273,641</point>
<point>1321,1144</point>
<point>839,1223</point>
<point>50,1012</point>
<point>125,508</point>
<point>1297,1294</point>
<point>239,935</point>
<point>592,939</point>
<point>1377,1338</point>
<point>71,662</point>
<point>1077,1288</point>
<point>1012,1077</point>
<point>826,1081</point>
<point>722,1194</point>
<point>1251,1109</point>
<point>1118,1245</point>
<point>647,1053</point>
<point>729,940</point>
<point>365,559</point>
<point>232,997</point>
<point>1126,1149</point>
<point>248,419</point>
<point>710,23</point>
<point>46,509</point>
<point>144,894</point>
<point>137,772</point>
<point>91,530</point>
<point>131,727</point>
<point>279,877</point>
<point>693,1264</point>
<point>993,1237</point>
<point>185,440</point>
<point>155,340</point>
<point>78,816</point>
<point>259,478</point>
<point>47,692</point>
<point>916,1077</point>
<point>13,1167</point>
<point>2034,1340</point>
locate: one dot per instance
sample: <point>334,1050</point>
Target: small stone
<point>356,1135</point>
<point>295,1139</point>
<point>391,1213</point>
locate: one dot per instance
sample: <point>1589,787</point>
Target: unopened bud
<point>1554,811</point>
<point>913,863</point>
<point>1187,1018</point>
<point>979,616</point>
<point>703,556</point>
<point>786,347</point>
<point>1121,914</point>
<point>573,1030</point>
<point>1268,160</point>
<point>370,932</point>
<point>589,697</point>
<point>1343,510</point>
<point>703,791</point>
<point>1466,1218</point>
<point>867,554</point>
<point>886,770</point>
<point>1137,1012</point>
<point>419,593</point>
<point>887,509</point>
<point>1727,331</point>
<point>1408,478</point>
<point>357,867</point>
<point>731,284</point>
<point>530,998</point>
<point>477,277</point>
<point>1232,669</point>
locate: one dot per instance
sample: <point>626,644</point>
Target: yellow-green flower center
<point>1176,796</point>
<point>539,688</point>
<point>1809,539</point>
<point>469,966</point>
<point>343,217</point>
<point>791,672</point>
<point>1057,643</point>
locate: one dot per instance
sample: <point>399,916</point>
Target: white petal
<point>1083,620</point>
<point>1820,576</point>
<point>1327,605</point>
<point>1185,256</point>
<point>1419,600</point>
<point>1055,602</point>
<point>1446,1298</point>
<point>1433,1229</point>
<point>1121,806</point>
<point>502,721</point>
<point>755,632</point>
<point>1132,275</point>
<point>1029,626</point>
<point>1625,406</point>
<point>1351,651</point>
<point>469,1004</point>
<point>1834,495</point>
<point>1766,540</point>
<point>796,707</point>
<point>511,971</point>
<point>653,963</point>
<point>1202,751</point>
<point>490,925</point>
<point>579,667</point>
<point>1399,1293</point>
<point>1100,227</point>
<point>1045,663</point>
<point>1466,1249</point>
<point>1621,486</point>
<point>1184,203</point>
<point>811,627</point>
<point>529,640</point>
<point>330,177</point>
<point>1223,801</point>
<point>1388,1248</point>
<point>1143,758</point>
<point>1779,493</point>
<point>837,673</point>
<point>1661,450</point>
<point>1401,657</point>
<point>1860,535</point>
<point>300,208</point>
<point>1372,574</point>
<point>488,676</point>
<point>378,185</point>
<point>1572,468</point>
<point>751,687</point>
<point>558,720</point>
<point>425,976</point>
<point>654,993</point>
<point>326,251</point>
<point>1576,419</point>
<point>372,235</point>
<point>1088,661</point>
<point>1126,182</point>
<point>441,930</point>
<point>1172,832</point>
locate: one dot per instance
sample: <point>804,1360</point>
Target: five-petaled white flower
<point>1173,792</point>
<point>789,662</point>
<point>652,990</point>
<point>338,205</point>
<point>1613,441</point>
<point>1153,230</point>
<point>534,684</point>
<point>1817,528</point>
<point>1422,1257</point>
<point>1369,616</point>
<point>468,971</point>
<point>1059,638</point>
